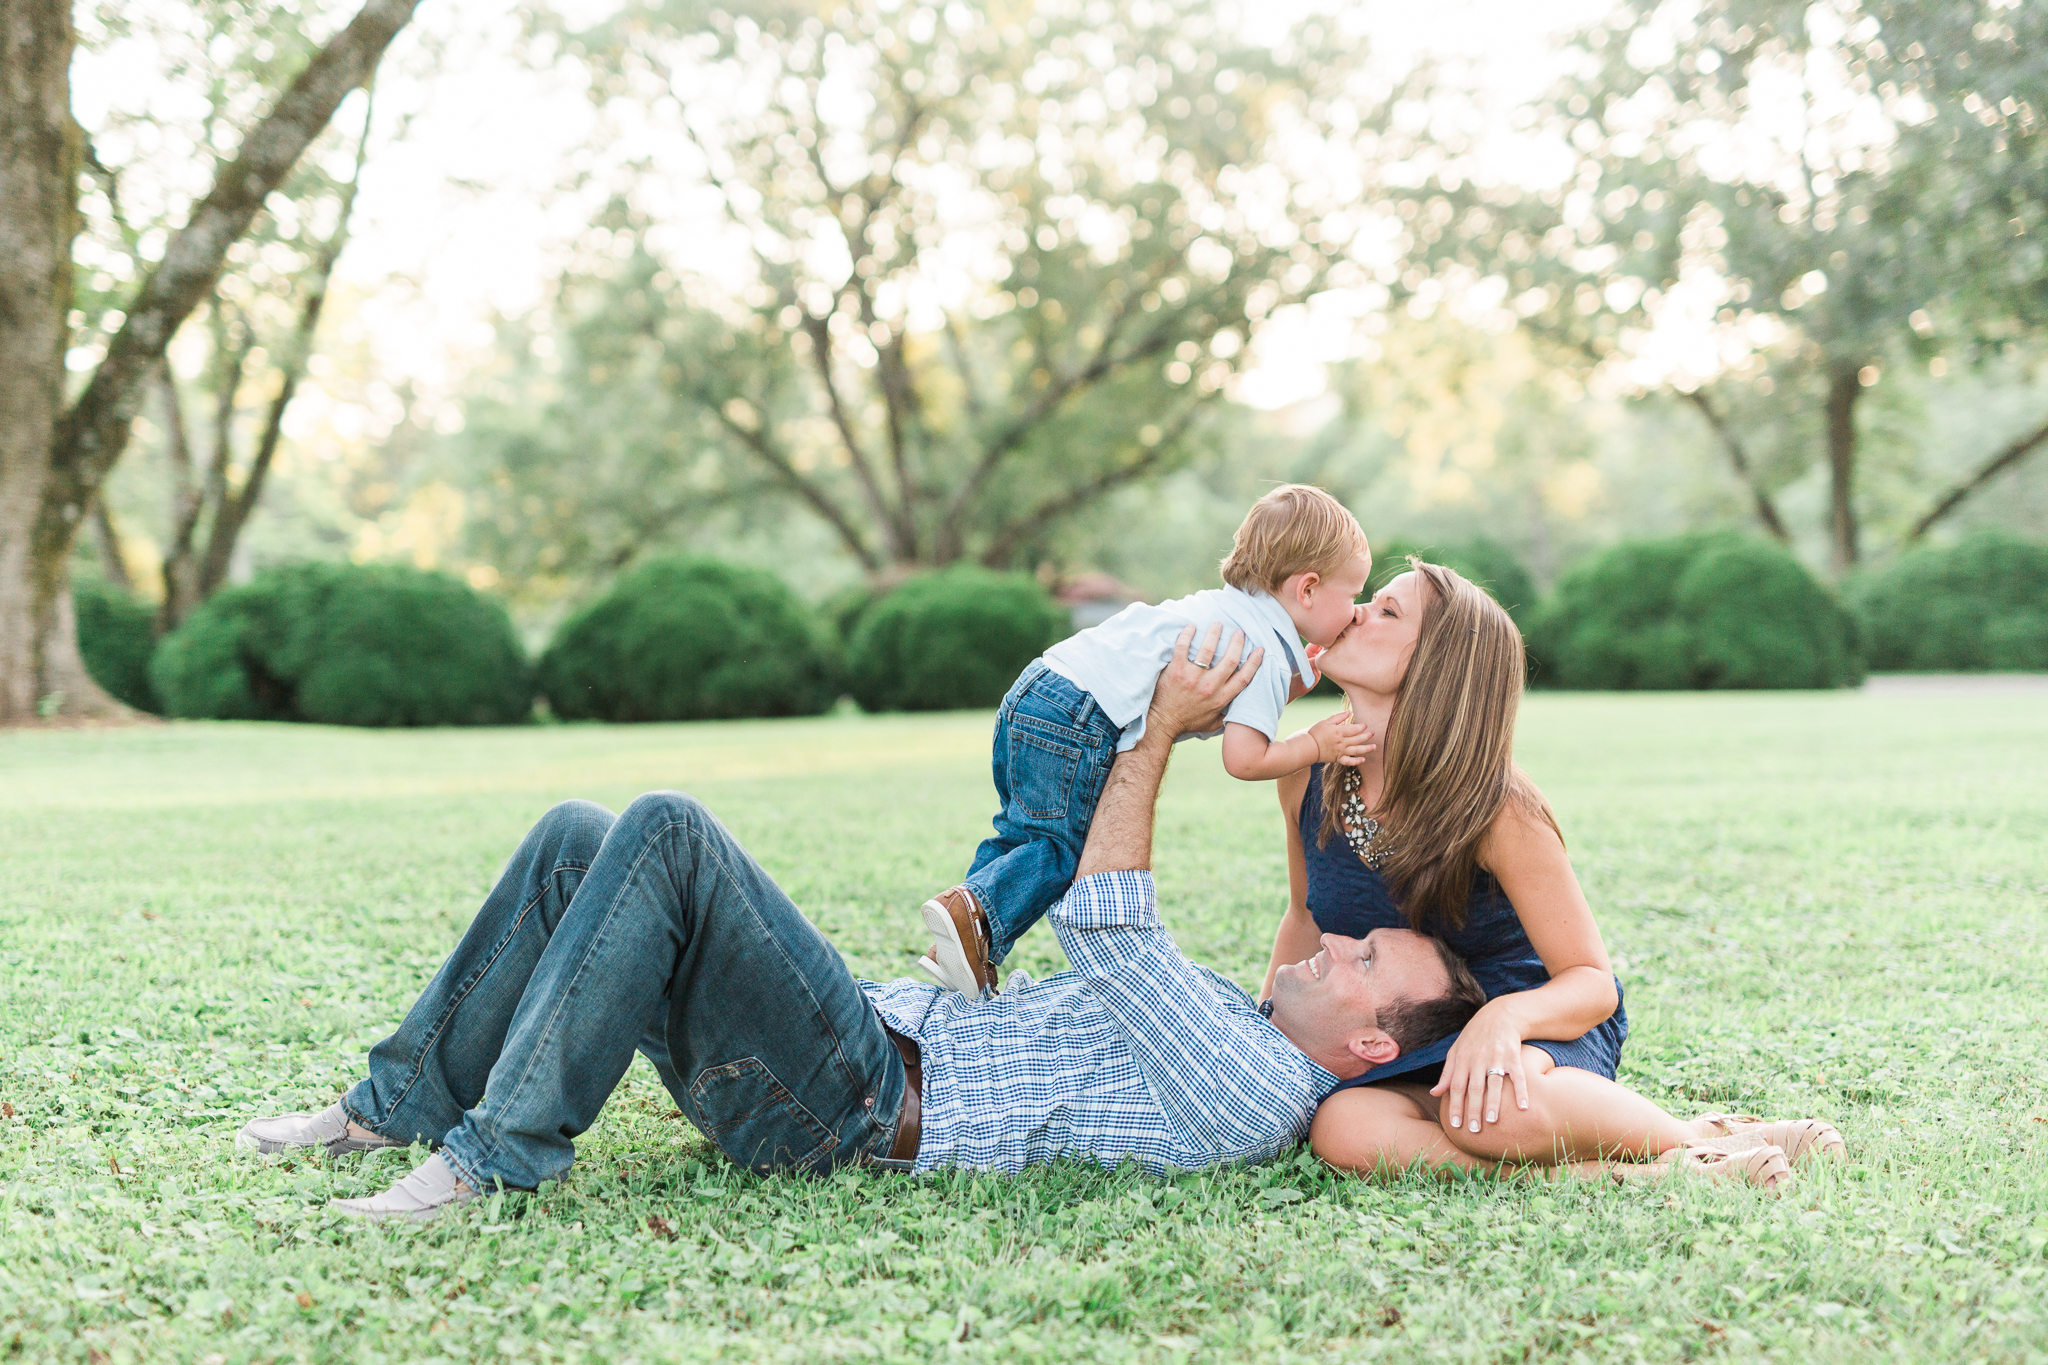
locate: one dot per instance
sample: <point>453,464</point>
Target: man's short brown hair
<point>1296,528</point>
<point>1416,1023</point>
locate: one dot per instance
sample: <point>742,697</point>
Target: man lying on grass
<point>656,931</point>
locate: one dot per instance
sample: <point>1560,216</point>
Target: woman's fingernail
<point>1492,1117</point>
<point>1475,1125</point>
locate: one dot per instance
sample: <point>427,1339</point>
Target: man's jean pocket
<point>755,1120</point>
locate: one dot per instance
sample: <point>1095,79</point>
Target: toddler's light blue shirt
<point>1118,662</point>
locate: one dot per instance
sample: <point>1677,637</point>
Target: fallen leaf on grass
<point>660,1227</point>
<point>1390,1316</point>
<point>7,1111</point>
<point>305,1300</point>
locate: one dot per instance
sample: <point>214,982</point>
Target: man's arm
<point>1209,1073</point>
<point>1226,1080</point>
<point>1188,696</point>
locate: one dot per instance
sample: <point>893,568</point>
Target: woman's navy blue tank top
<point>1347,897</point>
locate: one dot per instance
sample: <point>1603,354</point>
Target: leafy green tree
<point>995,263</point>
<point>260,322</point>
<point>1839,187</point>
<point>56,450</point>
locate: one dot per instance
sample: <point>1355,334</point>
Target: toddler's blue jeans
<point>1053,748</point>
<point>652,931</point>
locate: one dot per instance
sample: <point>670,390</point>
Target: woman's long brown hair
<point>1449,751</point>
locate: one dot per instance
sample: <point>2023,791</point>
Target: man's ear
<point>1373,1047</point>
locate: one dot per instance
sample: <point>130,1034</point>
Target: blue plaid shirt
<point>1132,1051</point>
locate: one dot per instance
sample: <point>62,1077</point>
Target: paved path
<point>1927,684</point>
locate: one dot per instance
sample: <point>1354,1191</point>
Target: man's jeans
<point>652,930</point>
<point>1053,751</point>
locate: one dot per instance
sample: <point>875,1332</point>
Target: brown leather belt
<point>910,1120</point>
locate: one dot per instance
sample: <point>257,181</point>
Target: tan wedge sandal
<point>1799,1138</point>
<point>1765,1167</point>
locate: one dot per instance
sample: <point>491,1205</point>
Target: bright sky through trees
<point>485,164</point>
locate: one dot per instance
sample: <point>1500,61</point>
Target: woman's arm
<point>1528,859</point>
<point>1297,938</point>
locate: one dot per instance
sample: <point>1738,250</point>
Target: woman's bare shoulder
<point>1523,829</point>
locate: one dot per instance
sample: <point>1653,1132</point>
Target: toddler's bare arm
<point>1250,757</point>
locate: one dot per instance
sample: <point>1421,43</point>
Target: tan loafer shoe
<point>960,930</point>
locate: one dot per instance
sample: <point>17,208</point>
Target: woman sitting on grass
<point>1438,830</point>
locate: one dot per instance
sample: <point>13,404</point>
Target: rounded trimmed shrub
<point>1695,611</point>
<point>1980,604</point>
<point>116,637</point>
<point>843,610</point>
<point>1488,563</point>
<point>687,638</point>
<point>347,644</point>
<point>950,640</point>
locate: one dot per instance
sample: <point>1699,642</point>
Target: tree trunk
<point>2005,459</point>
<point>180,570</point>
<point>39,159</point>
<point>232,509</point>
<point>1845,386</point>
<point>1766,510</point>
<point>107,542</point>
<point>53,461</point>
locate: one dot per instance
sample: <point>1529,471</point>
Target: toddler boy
<point>1298,563</point>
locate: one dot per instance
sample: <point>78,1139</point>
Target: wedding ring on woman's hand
<point>1496,1071</point>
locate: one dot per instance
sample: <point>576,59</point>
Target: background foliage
<point>896,286</point>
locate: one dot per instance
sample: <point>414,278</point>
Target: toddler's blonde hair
<point>1296,528</point>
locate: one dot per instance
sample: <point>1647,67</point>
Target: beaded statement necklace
<point>1361,831</point>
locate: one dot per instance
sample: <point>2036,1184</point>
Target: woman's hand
<point>1339,739</point>
<point>1192,697</point>
<point>1491,1043</point>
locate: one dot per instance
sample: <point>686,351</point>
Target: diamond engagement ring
<point>1496,1071</point>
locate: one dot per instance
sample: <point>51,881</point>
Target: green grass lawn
<point>1826,905</point>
